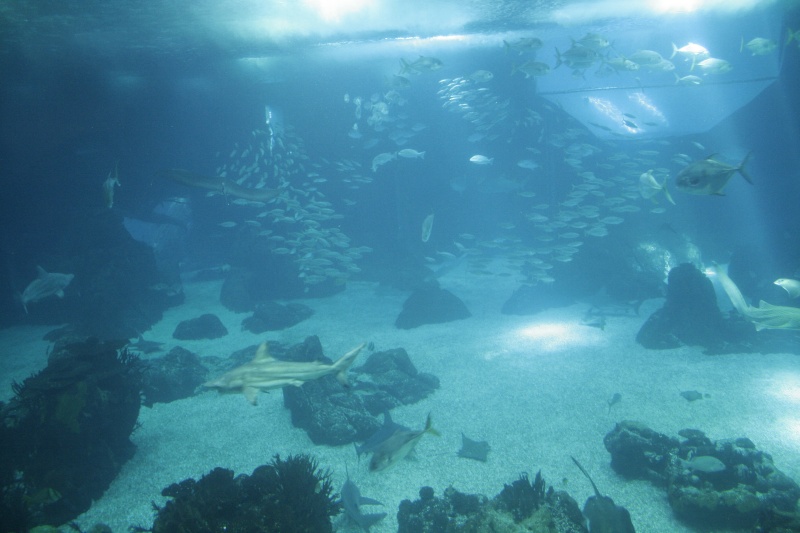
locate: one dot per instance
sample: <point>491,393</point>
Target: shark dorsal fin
<point>41,272</point>
<point>766,305</point>
<point>262,354</point>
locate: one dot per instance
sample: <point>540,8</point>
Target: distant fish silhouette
<point>45,285</point>
<point>614,401</point>
<point>144,346</point>
<point>604,516</point>
<point>352,500</point>
<point>473,449</point>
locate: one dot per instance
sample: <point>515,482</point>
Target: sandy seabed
<point>535,387</point>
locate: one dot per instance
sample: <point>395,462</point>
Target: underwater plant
<point>285,496</point>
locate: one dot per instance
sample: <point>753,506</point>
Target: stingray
<point>215,183</point>
<point>473,449</point>
<point>603,515</point>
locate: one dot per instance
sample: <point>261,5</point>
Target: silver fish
<point>709,176</point>
<point>398,446</point>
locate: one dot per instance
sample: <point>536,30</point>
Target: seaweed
<point>522,498</point>
<point>285,496</point>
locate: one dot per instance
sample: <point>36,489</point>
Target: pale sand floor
<point>535,387</point>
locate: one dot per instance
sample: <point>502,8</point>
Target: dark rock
<point>236,293</point>
<point>283,496</point>
<point>172,377</point>
<point>334,415</point>
<point>639,452</point>
<point>206,326</point>
<point>532,299</point>
<point>118,289</point>
<point>272,316</point>
<point>689,316</point>
<point>431,305</point>
<point>328,412</point>
<point>66,432</point>
<point>393,381</point>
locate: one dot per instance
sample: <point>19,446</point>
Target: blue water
<point>86,90</point>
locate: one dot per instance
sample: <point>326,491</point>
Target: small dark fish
<point>352,500</point>
<point>146,347</point>
<point>594,321</point>
<point>614,401</point>
<point>603,515</point>
<point>629,115</point>
<point>630,124</point>
<point>692,395</point>
<point>473,449</point>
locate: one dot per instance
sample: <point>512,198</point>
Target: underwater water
<point>503,189</point>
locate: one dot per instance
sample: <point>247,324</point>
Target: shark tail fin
<point>742,171</point>
<point>18,297</point>
<point>343,364</point>
<point>429,427</point>
<point>666,192</point>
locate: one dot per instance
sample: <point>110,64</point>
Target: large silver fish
<point>709,176</point>
<point>398,446</point>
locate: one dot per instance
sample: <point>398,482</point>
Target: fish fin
<point>40,272</point>
<point>344,363</point>
<point>741,45</point>
<point>60,293</point>
<point>674,50</point>
<point>766,305</point>
<point>251,393</point>
<point>667,194</point>
<point>429,427</point>
<point>558,59</point>
<point>368,501</point>
<point>262,354</point>
<point>759,327</point>
<point>742,170</point>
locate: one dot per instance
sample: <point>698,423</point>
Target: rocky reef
<point>724,484</point>
<point>522,506</point>
<point>66,432</point>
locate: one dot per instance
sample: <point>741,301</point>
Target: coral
<point>282,497</point>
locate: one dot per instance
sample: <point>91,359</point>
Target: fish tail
<point>404,66</point>
<point>506,46</point>
<point>790,36</point>
<point>429,427</point>
<point>741,45</point>
<point>558,59</point>
<point>742,170</point>
<point>666,192</point>
<point>674,50</point>
<point>343,364</point>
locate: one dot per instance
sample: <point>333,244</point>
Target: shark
<point>766,315</point>
<point>352,500</point>
<point>265,373</point>
<point>45,285</point>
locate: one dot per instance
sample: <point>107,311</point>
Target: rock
<point>396,380</point>
<point>66,433</point>
<point>328,412</point>
<point>171,377</point>
<point>702,495</point>
<point>639,452</point>
<point>272,316</point>
<point>530,299</point>
<point>334,415</point>
<point>431,305</point>
<point>206,326</point>
<point>689,316</point>
<point>236,293</point>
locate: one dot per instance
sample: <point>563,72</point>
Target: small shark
<point>265,373</point>
<point>146,347</point>
<point>46,284</point>
<point>766,315</point>
<point>351,502</point>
